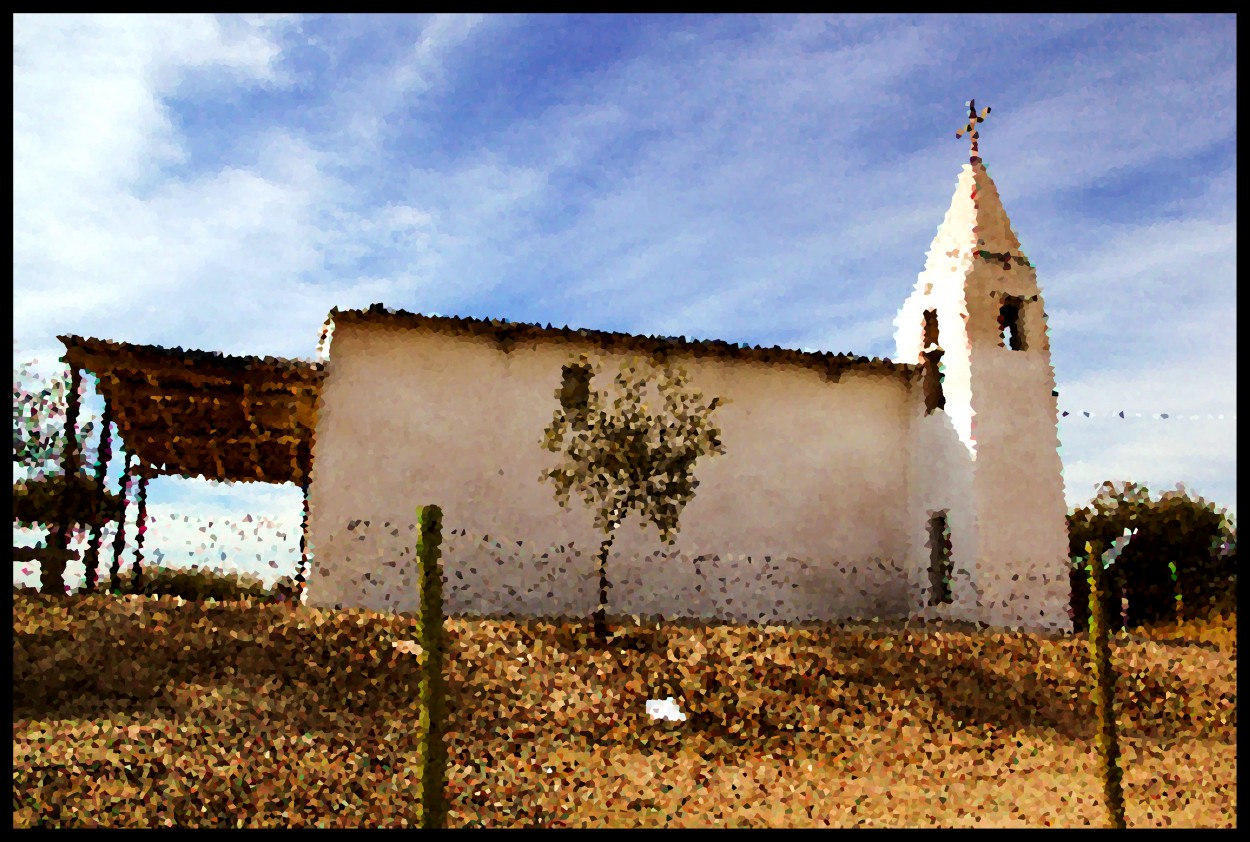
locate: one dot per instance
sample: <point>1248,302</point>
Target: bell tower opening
<point>1009,329</point>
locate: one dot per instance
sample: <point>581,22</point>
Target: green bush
<point>197,585</point>
<point>1182,560</point>
<point>43,501</point>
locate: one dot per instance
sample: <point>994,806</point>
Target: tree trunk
<point>601,613</point>
<point>52,570</point>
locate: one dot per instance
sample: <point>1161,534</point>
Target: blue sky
<point>222,182</point>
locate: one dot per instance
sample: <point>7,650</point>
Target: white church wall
<point>802,518</point>
<point>943,443</point>
<point>819,510</point>
<point>942,482</point>
<point>1024,558</point>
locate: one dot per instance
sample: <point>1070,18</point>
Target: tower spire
<point>971,128</point>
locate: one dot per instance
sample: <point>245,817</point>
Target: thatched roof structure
<point>196,413</point>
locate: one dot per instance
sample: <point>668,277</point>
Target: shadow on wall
<point>494,576</point>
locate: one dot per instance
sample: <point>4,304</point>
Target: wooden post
<point>143,526</point>
<point>432,719</point>
<point>92,560</point>
<point>303,455</point>
<point>52,572</point>
<point>301,577</point>
<point>119,540</point>
<point>1107,739</point>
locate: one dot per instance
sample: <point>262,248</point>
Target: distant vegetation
<point>1181,564</point>
<point>200,585</point>
<point>43,501</point>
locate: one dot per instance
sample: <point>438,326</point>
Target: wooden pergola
<point>192,414</point>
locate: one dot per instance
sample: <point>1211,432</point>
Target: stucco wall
<point>803,518</point>
<point>1023,553</point>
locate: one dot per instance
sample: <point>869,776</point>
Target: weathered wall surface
<point>803,518</point>
<point>499,578</point>
<point>1023,553</point>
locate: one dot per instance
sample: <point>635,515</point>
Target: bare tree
<point>620,453</point>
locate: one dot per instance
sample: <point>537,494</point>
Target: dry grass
<point>150,711</point>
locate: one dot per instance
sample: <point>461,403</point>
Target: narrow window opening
<point>1009,324</point>
<point>934,394</point>
<point>930,330</point>
<point>940,565</point>
<point>931,360</point>
<point>575,390</point>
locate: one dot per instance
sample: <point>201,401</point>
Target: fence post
<point>1104,689</point>
<point>141,531</point>
<point>433,715</point>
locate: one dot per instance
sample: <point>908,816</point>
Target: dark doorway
<point>934,395</point>
<point>939,560</point>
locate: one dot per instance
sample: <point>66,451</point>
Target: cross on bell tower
<point>971,128</point>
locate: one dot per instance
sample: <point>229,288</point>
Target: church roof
<point>510,334</point>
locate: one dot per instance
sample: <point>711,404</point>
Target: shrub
<point>196,584</point>
<point>44,500</point>
<point>285,590</point>
<point>1181,561</point>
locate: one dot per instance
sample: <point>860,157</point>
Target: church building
<point>850,488</point>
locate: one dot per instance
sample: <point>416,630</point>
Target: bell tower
<point>985,464</point>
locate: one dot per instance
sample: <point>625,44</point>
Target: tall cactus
<point>1104,689</point>
<point>433,715</point>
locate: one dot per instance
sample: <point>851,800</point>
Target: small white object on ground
<point>666,709</point>
<point>410,647</point>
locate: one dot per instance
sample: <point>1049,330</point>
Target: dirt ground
<point>151,711</point>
